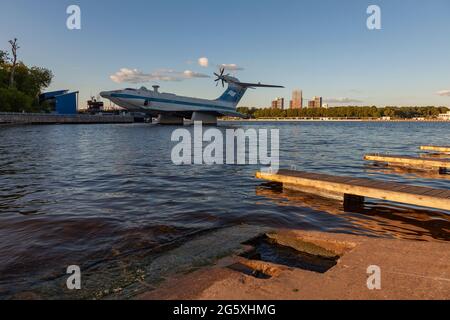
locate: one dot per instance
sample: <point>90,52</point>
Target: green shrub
<point>12,100</point>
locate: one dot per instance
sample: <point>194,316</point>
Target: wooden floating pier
<point>354,190</point>
<point>442,165</point>
<point>445,149</point>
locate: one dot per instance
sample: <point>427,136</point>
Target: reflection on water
<point>435,155</point>
<point>107,197</point>
<point>405,171</point>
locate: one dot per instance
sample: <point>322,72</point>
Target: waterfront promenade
<point>38,118</point>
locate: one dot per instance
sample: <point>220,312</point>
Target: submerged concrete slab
<point>409,270</point>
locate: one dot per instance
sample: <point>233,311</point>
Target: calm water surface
<point>109,199</point>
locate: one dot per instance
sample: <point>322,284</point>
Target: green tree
<point>3,58</point>
<point>12,100</point>
<point>3,69</point>
<point>32,81</point>
<point>28,83</point>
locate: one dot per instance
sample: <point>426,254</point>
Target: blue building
<point>64,102</point>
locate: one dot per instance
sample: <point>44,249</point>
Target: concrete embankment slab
<point>28,118</point>
<point>408,270</point>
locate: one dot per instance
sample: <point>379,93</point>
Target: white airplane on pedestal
<point>173,109</point>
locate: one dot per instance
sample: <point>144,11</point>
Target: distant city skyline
<point>322,47</point>
<point>297,101</point>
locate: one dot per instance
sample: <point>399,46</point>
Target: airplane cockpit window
<point>131,89</point>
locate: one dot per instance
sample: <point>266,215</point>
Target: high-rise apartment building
<point>274,104</point>
<point>278,103</point>
<point>297,99</point>
<point>317,102</point>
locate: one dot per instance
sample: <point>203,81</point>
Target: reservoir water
<point>108,199</point>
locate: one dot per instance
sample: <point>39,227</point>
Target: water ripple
<point>89,194</point>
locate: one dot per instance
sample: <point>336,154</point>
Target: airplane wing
<point>257,85</point>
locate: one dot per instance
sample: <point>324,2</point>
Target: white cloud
<point>203,62</point>
<point>135,76</point>
<point>443,93</point>
<point>342,100</point>
<point>127,75</point>
<point>188,74</point>
<point>231,67</point>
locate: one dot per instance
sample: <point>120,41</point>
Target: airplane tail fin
<point>233,94</point>
<point>237,89</point>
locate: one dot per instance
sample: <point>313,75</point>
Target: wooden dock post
<point>353,203</point>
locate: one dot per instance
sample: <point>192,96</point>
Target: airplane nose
<point>105,94</point>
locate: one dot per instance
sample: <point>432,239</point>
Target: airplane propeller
<point>226,78</point>
<point>221,77</point>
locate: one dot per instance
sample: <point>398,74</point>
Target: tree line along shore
<point>351,112</point>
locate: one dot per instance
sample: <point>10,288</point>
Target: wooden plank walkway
<point>436,148</point>
<point>421,163</point>
<point>353,190</point>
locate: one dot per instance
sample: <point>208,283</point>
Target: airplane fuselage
<point>172,108</point>
<point>146,100</point>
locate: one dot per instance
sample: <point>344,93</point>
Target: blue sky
<point>320,46</point>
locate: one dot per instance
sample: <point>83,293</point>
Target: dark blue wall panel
<point>67,103</point>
